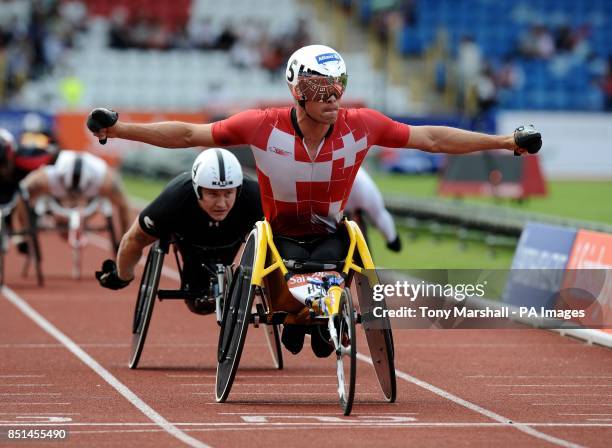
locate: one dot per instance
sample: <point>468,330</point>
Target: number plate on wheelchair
<point>307,287</point>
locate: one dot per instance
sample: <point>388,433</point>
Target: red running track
<point>63,364</point>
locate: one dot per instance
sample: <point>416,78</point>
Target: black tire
<point>235,322</point>
<point>380,342</point>
<point>147,293</point>
<point>345,328</point>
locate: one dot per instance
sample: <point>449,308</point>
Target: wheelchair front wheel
<point>235,321</point>
<point>147,293</point>
<point>342,331</point>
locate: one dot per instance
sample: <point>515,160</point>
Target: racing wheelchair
<point>30,233</point>
<point>208,300</point>
<point>73,219</point>
<point>276,283</point>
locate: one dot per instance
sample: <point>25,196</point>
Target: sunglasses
<point>321,88</point>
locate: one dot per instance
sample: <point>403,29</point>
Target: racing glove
<point>108,277</point>
<point>101,118</point>
<point>529,138</point>
<point>395,245</point>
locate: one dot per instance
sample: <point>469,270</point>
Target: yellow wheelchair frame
<point>267,276</point>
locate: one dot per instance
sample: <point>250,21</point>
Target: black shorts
<point>330,248</point>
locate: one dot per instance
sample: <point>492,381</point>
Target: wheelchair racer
<point>213,207</point>
<point>79,175</point>
<point>366,197</point>
<point>308,155</point>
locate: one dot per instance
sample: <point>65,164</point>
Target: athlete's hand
<point>100,122</point>
<point>395,245</point>
<point>109,278</point>
<point>527,138</point>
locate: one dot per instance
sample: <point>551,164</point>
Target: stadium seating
<point>497,25</point>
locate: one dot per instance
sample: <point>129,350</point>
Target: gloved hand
<point>527,137</point>
<point>101,118</point>
<point>395,245</point>
<point>108,277</point>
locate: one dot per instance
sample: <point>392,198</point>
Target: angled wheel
<point>147,293</point>
<point>235,320</point>
<point>379,337</point>
<point>342,331</point>
<point>272,335</point>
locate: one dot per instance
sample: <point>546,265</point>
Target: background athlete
<point>366,198</point>
<point>308,155</point>
<point>211,207</point>
<point>77,175</point>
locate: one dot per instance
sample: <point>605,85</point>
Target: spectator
<point>538,43</point>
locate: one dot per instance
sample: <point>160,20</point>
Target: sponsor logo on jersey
<point>277,150</point>
<point>327,57</point>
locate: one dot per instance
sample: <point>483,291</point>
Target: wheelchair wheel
<point>235,321</point>
<point>342,330</point>
<point>380,342</point>
<point>147,293</point>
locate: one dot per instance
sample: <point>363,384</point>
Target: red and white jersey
<point>302,196</point>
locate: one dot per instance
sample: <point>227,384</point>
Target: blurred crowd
<point>34,36</point>
<point>249,43</point>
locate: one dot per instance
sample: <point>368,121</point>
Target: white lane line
<point>353,423</point>
<point>22,376</point>
<point>524,428</point>
<point>289,414</point>
<point>283,393</point>
<point>267,384</point>
<point>53,331</point>
<point>570,413</point>
<point>549,385</point>
<point>25,394</point>
<point>569,404</point>
<point>21,403</point>
<point>246,375</point>
<point>562,395</point>
<point>538,376</point>
<point>600,419</point>
<point>474,407</point>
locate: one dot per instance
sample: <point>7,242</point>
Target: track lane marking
<point>406,377</point>
<point>474,407</point>
<point>53,331</point>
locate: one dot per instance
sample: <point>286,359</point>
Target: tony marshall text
<point>488,313</point>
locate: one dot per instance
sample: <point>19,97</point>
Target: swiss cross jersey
<point>302,196</point>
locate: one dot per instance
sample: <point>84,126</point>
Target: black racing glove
<point>529,138</point>
<point>101,118</point>
<point>395,245</point>
<point>108,277</point>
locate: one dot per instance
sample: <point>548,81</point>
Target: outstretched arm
<point>449,140</point>
<point>130,250</point>
<point>166,134</point>
<point>36,183</point>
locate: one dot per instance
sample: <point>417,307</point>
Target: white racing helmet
<point>315,73</point>
<point>217,169</point>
